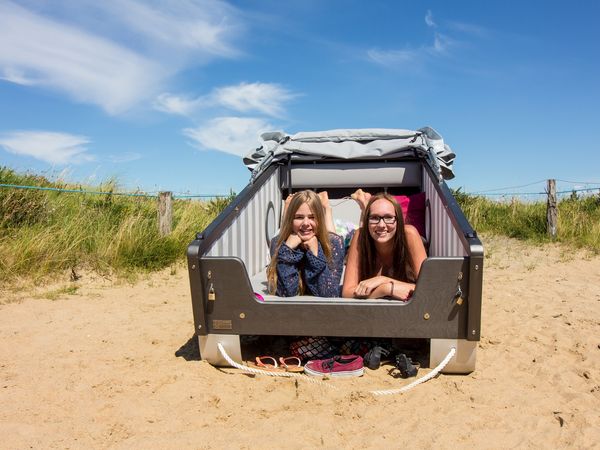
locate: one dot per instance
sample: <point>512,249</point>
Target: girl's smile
<point>304,223</point>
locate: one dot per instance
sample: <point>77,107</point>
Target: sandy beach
<point>112,366</point>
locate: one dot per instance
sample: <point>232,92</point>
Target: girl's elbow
<point>347,292</point>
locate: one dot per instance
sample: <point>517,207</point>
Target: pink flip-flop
<point>291,364</point>
<point>267,363</point>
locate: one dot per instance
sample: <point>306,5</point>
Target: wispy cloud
<point>429,19</point>
<point>176,104</point>
<point>16,76</point>
<point>468,28</point>
<point>48,146</point>
<point>206,26</point>
<point>235,135</point>
<point>262,98</point>
<point>414,56</point>
<point>392,57</point>
<point>90,62</point>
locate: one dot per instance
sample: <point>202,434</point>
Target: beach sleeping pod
<point>227,261</point>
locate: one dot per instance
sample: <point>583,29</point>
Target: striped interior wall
<point>444,239</point>
<point>246,235</point>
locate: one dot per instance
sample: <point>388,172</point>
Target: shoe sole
<point>341,374</point>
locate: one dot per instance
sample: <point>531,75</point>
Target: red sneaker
<point>338,366</point>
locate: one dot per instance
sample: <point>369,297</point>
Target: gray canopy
<point>353,144</point>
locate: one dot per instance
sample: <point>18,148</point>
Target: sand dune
<point>108,367</point>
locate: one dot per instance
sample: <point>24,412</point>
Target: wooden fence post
<point>551,210</point>
<point>165,213</point>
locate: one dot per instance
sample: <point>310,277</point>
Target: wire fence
<point>577,189</point>
<point>502,193</point>
<point>165,198</point>
<point>123,194</point>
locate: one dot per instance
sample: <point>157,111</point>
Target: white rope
<point>429,376</point>
<point>268,372</point>
<point>406,388</point>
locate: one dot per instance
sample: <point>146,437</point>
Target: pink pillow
<point>413,210</point>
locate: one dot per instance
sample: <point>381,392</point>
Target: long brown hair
<point>314,203</point>
<point>402,268</point>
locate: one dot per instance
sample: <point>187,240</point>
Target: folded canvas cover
<point>352,144</point>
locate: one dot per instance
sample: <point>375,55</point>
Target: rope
<point>268,372</point>
<point>403,389</point>
<point>429,376</point>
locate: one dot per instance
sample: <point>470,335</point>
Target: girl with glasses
<point>385,255</point>
<point>306,258</point>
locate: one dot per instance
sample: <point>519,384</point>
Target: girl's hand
<point>402,291</point>
<point>366,287</point>
<point>293,241</point>
<point>312,245</point>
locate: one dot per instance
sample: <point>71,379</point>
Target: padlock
<point>211,293</point>
<point>458,296</point>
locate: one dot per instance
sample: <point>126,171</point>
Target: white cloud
<point>440,43</point>
<point>392,57</point>
<point>206,26</point>
<point>86,57</point>
<point>429,19</point>
<point>48,146</point>
<point>235,135</point>
<point>468,28</point>
<point>175,104</point>
<point>412,57</point>
<point>16,76</point>
<point>260,97</point>
<point>265,98</point>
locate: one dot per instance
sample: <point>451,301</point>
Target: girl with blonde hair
<point>306,259</point>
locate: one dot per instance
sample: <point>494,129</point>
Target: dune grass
<point>578,219</point>
<point>43,233</point>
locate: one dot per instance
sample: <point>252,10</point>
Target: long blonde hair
<point>314,203</point>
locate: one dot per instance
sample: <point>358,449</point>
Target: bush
<point>46,232</point>
<point>578,219</point>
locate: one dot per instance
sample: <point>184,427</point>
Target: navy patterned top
<point>320,277</point>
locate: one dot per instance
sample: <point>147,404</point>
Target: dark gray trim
<point>474,247</point>
<point>433,312</point>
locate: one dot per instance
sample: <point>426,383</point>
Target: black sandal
<point>405,365</point>
<point>372,358</point>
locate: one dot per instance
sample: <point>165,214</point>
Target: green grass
<point>43,233</point>
<point>578,219</point>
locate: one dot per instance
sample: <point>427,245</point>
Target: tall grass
<point>578,219</point>
<point>45,232</point>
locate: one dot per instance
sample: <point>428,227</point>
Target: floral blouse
<point>321,278</point>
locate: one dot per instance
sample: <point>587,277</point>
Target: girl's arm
<point>288,276</point>
<point>351,274</point>
<point>323,277</point>
<point>375,287</point>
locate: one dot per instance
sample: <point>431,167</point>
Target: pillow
<point>413,210</point>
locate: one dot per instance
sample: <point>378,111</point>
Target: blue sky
<point>168,95</point>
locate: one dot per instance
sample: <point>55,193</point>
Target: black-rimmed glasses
<point>388,220</point>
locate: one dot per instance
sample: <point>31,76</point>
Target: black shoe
<point>372,358</point>
<point>405,365</point>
